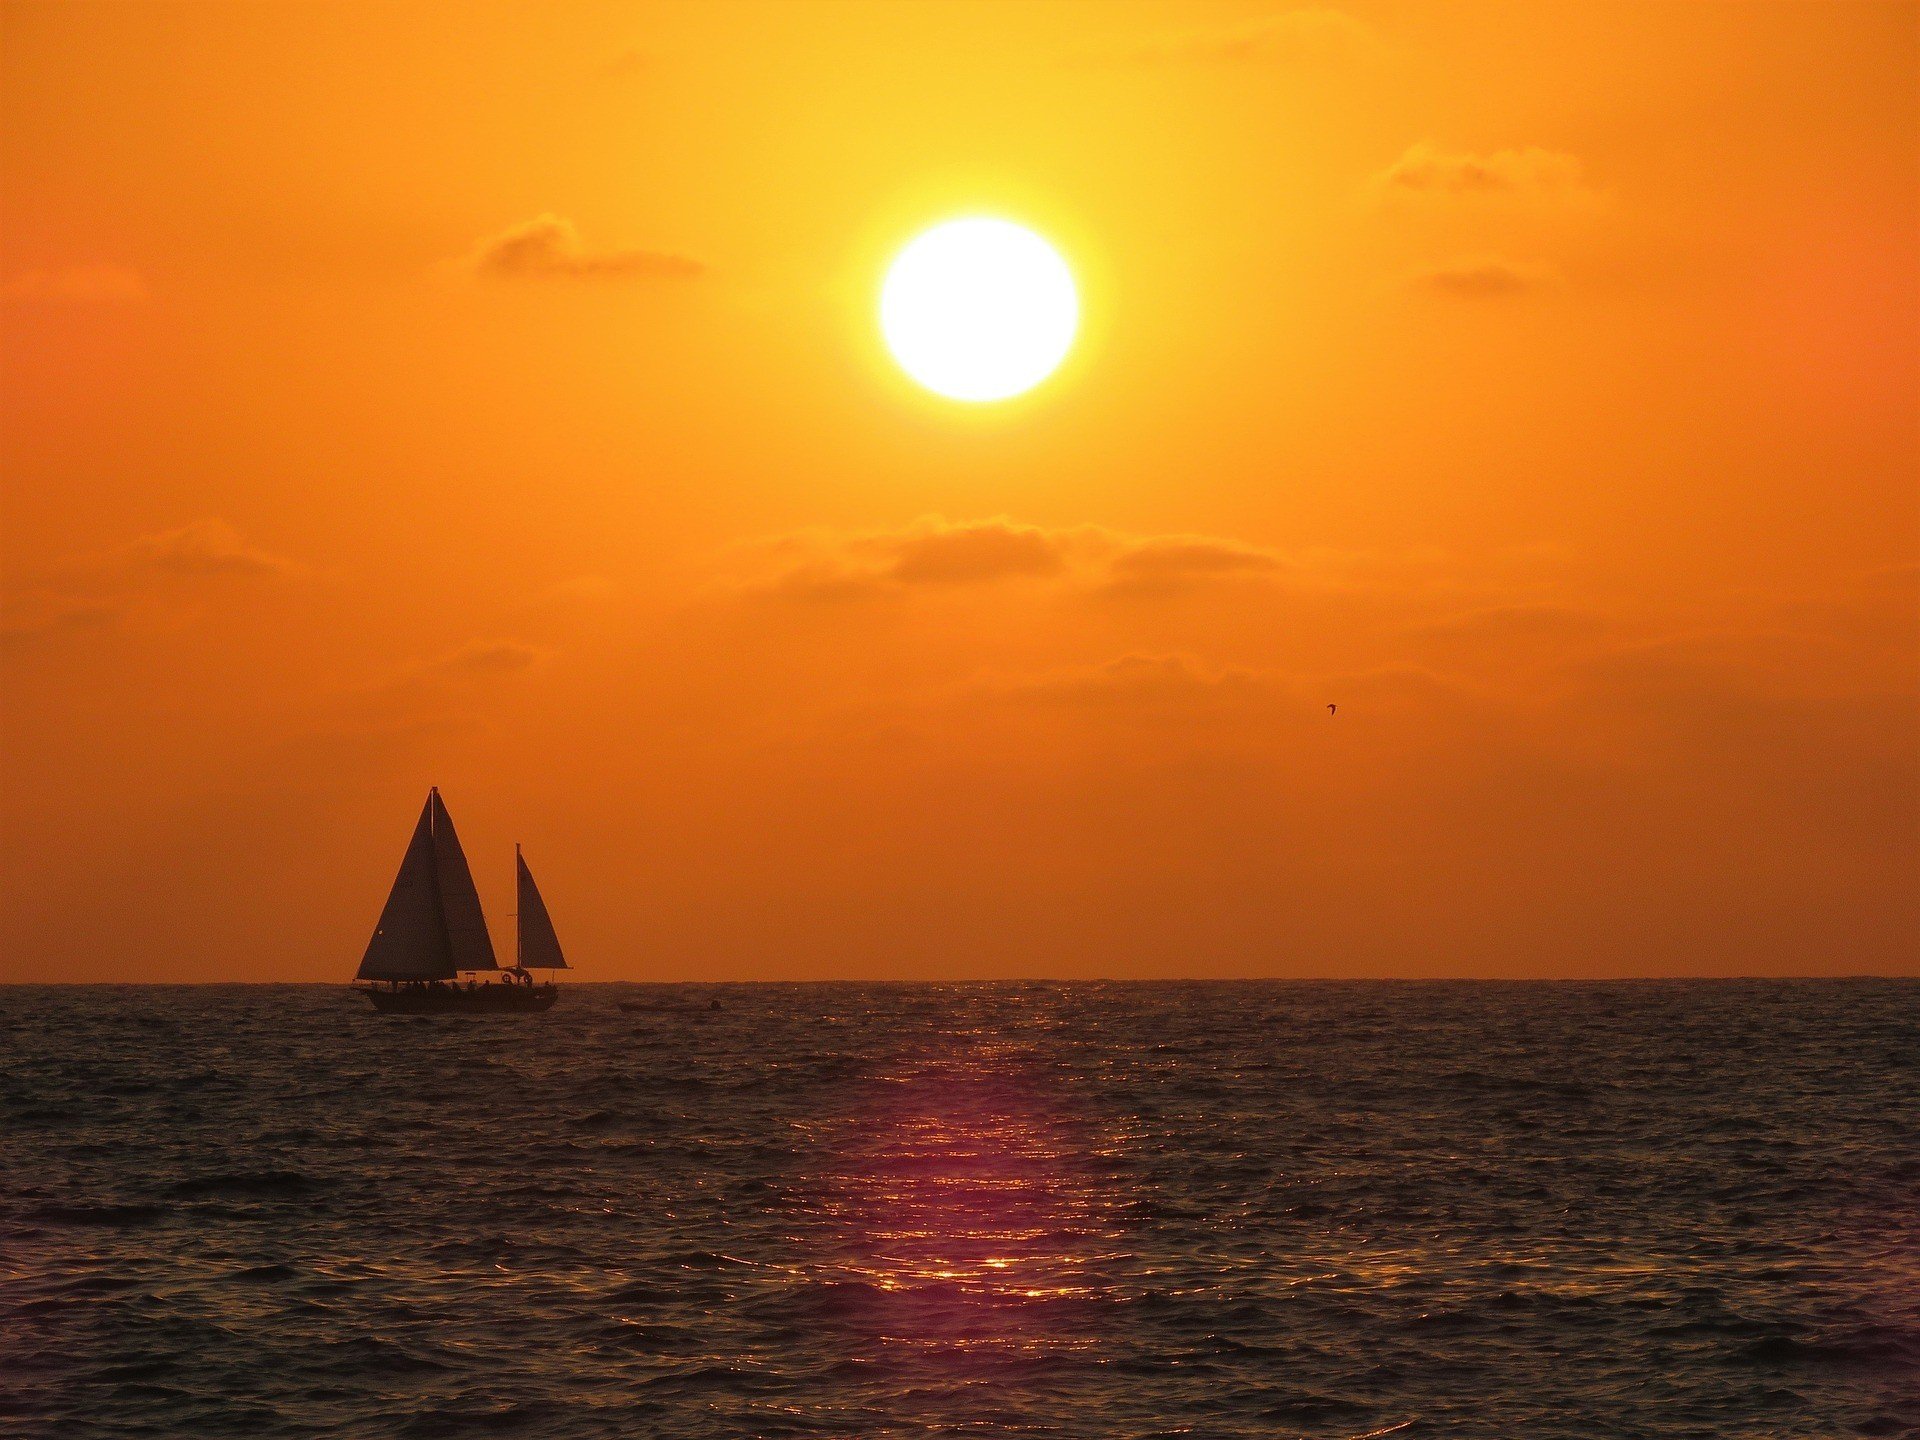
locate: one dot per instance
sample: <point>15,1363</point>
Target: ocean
<point>1527,1211</point>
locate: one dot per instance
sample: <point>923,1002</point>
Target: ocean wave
<point>1244,1212</point>
<point>244,1183</point>
<point>107,1216</point>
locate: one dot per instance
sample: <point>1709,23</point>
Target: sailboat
<point>432,933</point>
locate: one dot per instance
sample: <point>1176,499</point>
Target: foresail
<point>539,946</point>
<point>410,942</point>
<point>467,937</point>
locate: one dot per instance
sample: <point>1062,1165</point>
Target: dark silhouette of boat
<point>432,933</point>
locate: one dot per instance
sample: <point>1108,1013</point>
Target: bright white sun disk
<point>979,309</point>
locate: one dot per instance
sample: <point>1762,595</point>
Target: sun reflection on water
<point>965,1239</point>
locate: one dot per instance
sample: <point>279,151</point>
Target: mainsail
<point>431,928</point>
<point>459,901</point>
<point>410,942</point>
<point>539,946</point>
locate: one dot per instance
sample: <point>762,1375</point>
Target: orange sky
<point>1536,382</point>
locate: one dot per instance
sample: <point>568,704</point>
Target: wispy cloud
<point>936,553</point>
<point>204,547</point>
<point>549,247</point>
<point>447,693</point>
<point>1159,684</point>
<point>965,554</point>
<point>481,658</point>
<point>187,564</point>
<point>1531,173</point>
<point>46,617</point>
<point>1487,277</point>
<point>1164,564</point>
<point>1543,619</point>
<point>932,552</point>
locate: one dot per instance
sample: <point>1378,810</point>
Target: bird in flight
<point>1332,708</point>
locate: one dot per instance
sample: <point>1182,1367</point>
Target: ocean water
<point>1229,1210</point>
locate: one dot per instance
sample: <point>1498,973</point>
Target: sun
<point>979,309</point>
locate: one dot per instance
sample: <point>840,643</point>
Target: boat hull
<point>481,1000</point>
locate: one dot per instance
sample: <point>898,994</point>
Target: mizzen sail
<point>539,946</point>
<point>410,942</point>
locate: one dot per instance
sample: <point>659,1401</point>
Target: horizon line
<point>1725,979</point>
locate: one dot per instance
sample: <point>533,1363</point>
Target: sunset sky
<point>492,397</point>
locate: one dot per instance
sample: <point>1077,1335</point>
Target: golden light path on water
<point>971,1238</point>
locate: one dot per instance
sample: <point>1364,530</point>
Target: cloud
<point>153,573</point>
<point>1488,278</point>
<point>931,553</point>
<point>1876,611</point>
<point>44,617</point>
<point>478,659</point>
<point>1164,684</point>
<point>1770,726</point>
<point>548,247</point>
<point>204,547</point>
<point>970,554</point>
<point>1499,624</point>
<point>1167,564</point>
<point>424,697</point>
<point>1287,37</point>
<point>935,553</point>
<point>824,581</point>
<point>1531,173</point>
<point>75,285</point>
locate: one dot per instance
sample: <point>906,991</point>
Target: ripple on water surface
<point>1258,1210</point>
